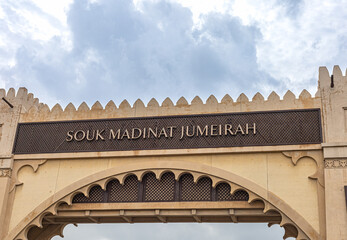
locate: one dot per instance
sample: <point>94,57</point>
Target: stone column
<point>6,164</point>
<point>333,92</point>
<point>10,107</point>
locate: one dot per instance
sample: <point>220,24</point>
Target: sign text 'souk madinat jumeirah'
<point>171,132</point>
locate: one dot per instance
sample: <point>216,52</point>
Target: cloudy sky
<point>86,50</point>
<point>90,50</point>
<point>174,231</point>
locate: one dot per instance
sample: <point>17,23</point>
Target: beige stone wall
<point>9,116</point>
<point>294,175</point>
<point>334,105</point>
<point>272,171</point>
<point>336,203</point>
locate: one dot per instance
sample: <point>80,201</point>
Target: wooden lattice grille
<point>123,193</point>
<point>159,190</point>
<point>200,191</point>
<point>151,189</point>
<point>223,193</point>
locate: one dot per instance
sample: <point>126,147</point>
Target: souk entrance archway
<point>172,191</point>
<point>280,161</point>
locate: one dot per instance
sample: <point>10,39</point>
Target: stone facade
<point>300,187</point>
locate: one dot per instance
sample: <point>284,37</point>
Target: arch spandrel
<point>241,164</point>
<point>198,168</point>
<point>256,192</point>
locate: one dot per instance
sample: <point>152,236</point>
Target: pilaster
<point>11,105</point>
<point>333,91</point>
<point>6,165</point>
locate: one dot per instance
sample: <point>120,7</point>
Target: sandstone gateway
<point>280,161</point>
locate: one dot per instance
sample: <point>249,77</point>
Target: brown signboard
<point>171,132</point>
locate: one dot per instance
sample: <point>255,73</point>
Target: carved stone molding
<point>5,172</point>
<point>34,164</point>
<point>65,197</point>
<point>335,163</point>
<point>316,156</point>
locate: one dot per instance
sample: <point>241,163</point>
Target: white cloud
<point>25,25</point>
<point>56,9</point>
<point>297,37</point>
<point>159,46</point>
<point>125,53</point>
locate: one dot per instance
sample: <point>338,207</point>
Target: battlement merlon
<point>327,81</point>
<point>23,99</point>
<point>33,111</point>
<point>333,93</point>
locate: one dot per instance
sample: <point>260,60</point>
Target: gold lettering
<point>171,130</point>
<point>166,132</point>
<point>201,132</point>
<point>182,132</point>
<point>69,136</point>
<point>90,138</point>
<point>248,128</point>
<point>81,138</point>
<point>162,132</point>
<point>213,130</point>
<point>125,134</point>
<point>154,133</point>
<point>144,133</point>
<point>133,136</point>
<point>227,129</point>
<point>239,129</point>
<point>113,134</point>
<point>187,131</point>
<point>98,135</point>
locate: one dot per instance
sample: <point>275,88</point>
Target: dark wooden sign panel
<point>171,132</point>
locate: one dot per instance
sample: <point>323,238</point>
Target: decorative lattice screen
<point>156,191</point>
<point>166,189</point>
<point>123,193</point>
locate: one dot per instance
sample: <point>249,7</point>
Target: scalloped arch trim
<point>290,218</point>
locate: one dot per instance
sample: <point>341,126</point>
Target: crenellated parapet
<point>22,98</point>
<point>333,92</point>
<point>12,104</point>
<point>333,82</point>
<point>33,110</point>
<point>41,112</point>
